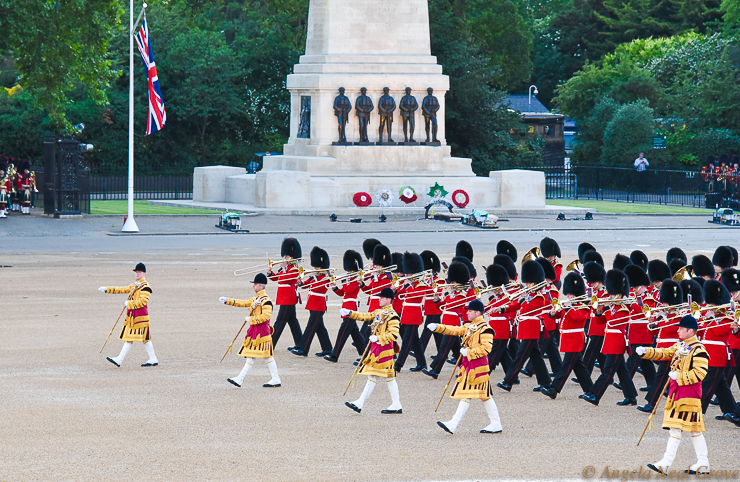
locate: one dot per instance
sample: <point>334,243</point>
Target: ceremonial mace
<point>117,319</point>
<point>454,370</point>
<point>655,407</point>
<point>357,369</point>
<point>228,350</point>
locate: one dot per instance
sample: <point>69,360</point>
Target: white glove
<point>223,299</point>
<point>125,303</point>
<point>103,289</point>
<point>246,318</point>
<point>673,375</point>
<point>432,326</point>
<point>640,350</point>
<point>374,338</point>
<point>344,312</point>
<point>464,352</point>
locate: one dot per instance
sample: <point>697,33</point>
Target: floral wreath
<point>407,194</point>
<point>437,191</point>
<point>362,199</point>
<point>385,197</point>
<point>460,198</point>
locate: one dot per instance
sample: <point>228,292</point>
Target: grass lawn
<point>141,207</point>
<point>621,207</point>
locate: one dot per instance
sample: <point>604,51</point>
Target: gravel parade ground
<point>68,414</point>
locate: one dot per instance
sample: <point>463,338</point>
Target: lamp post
<point>530,92</point>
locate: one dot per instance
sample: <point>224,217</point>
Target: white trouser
<point>150,351</point>
<point>275,380</point>
<point>702,454</point>
<point>492,411</point>
<point>395,397</point>
<point>459,414</point>
<point>124,351</point>
<point>369,387</point>
<point>674,440</point>
<point>248,364</point>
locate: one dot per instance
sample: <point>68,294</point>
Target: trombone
<point>345,276</point>
<point>694,306</point>
<point>525,291</point>
<point>614,302</point>
<point>412,277</point>
<point>578,300</point>
<point>270,264</point>
<point>304,272</point>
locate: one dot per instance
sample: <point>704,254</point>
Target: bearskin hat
<point>431,261</point>
<point>320,258</point>
<point>507,263</point>
<point>658,271</point>
<point>675,253</point>
<point>731,279</point>
<point>671,293</point>
<point>675,264</point>
<point>722,257</point>
<point>582,249</point>
<point>368,247</point>
<point>691,287</point>
<point>589,256</point>
<point>699,280</point>
<point>505,247</point>
<point>547,268</point>
<point>734,255</point>
<point>636,276</point>
<point>532,272</point>
<point>352,261</point>
<point>620,261</point>
<point>382,256</point>
<point>291,247</point>
<point>639,258</point>
<point>617,283</point>
<point>549,247</point>
<point>497,275</point>
<point>715,293</point>
<point>594,272</point>
<point>458,273</point>
<point>702,266</point>
<point>398,261</point>
<point>464,248</point>
<point>574,285</point>
<point>471,269</point>
<point>26,165</point>
<point>412,263</point>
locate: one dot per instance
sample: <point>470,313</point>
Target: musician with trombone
<point>317,286</point>
<point>616,319</point>
<point>6,186</point>
<point>638,333</point>
<point>501,315</point>
<point>595,275</point>
<point>432,311</point>
<point>376,279</point>
<point>550,250</point>
<point>24,185</point>
<point>287,298</point>
<point>348,287</point>
<point>258,342</point>
<point>549,338</point>
<point>412,290</point>
<point>731,280</point>
<point>573,313</point>
<point>377,360</point>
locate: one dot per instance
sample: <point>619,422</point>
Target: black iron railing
<point>145,187</point>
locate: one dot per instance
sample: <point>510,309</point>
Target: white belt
<point>714,342</point>
<point>522,318</point>
<point>451,313</point>
<point>374,297</point>
<point>665,340</point>
<point>413,304</point>
<point>639,322</point>
<point>347,300</point>
<point>284,286</point>
<point>573,330</point>
<point>313,293</point>
<point>500,318</point>
<point>613,330</point>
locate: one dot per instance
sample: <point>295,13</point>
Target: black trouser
<point>499,354</point>
<point>455,348</point>
<point>410,340</point>
<point>365,330</point>
<point>734,372</point>
<point>315,326</point>
<point>648,367</point>
<point>658,385</point>
<point>593,353</point>
<point>445,345</point>
<point>346,329</point>
<point>549,345</point>
<point>513,347</point>
<point>715,382</point>
<point>426,334</point>
<point>614,365</point>
<point>286,314</point>
<point>572,362</point>
<point>528,349</point>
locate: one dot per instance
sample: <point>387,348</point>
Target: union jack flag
<point>157,114</point>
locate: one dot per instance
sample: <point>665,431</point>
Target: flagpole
<point>130,225</point>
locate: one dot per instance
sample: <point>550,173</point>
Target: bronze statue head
<point>341,90</point>
<point>408,90</point>
<point>363,90</point>
<point>386,90</point>
<point>430,90</point>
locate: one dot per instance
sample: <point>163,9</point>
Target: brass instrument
<point>303,272</point>
<point>524,291</point>
<point>575,265</point>
<point>33,181</point>
<point>424,292</point>
<point>364,274</point>
<point>727,306</point>
<point>344,276</point>
<point>482,291</point>
<point>532,254</point>
<point>412,277</point>
<point>685,273</point>
<point>270,264</point>
<point>578,300</point>
<point>682,306</point>
<point>612,302</point>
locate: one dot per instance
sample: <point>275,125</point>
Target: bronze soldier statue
<point>386,106</point>
<point>408,107</point>
<point>363,108</point>
<point>429,108</point>
<point>342,106</point>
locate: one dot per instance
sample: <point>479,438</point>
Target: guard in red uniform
<point>638,333</point>
<point>374,283</point>
<point>317,285</point>
<point>432,312</point>
<point>6,188</point>
<point>640,259</point>
<point>714,331</point>
<point>287,291</point>
<point>595,274</point>
<point>722,260</point>
<point>731,280</point>
<point>24,186</point>
<point>573,319</point>
<point>397,301</point>
<point>617,318</point>
<point>657,272</point>
<point>549,339</point>
<point>349,290</point>
<point>411,313</point>
<point>703,267</point>
<point>502,313</point>
<point>508,264</point>
<point>550,250</point>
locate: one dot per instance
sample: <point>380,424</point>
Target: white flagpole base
<point>130,226</point>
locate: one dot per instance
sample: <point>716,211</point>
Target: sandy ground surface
<point>68,414</point>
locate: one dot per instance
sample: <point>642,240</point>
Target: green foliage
<point>590,136</point>
<point>731,9</point>
<point>629,132</point>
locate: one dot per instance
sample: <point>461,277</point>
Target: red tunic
<point>452,316</point>
<point>572,333</point>
<point>734,341</point>
<point>668,331</point>
<point>615,339</point>
<point>598,323</point>
<point>430,307</point>
<point>551,323</point>
<point>413,301</point>
<point>317,288</point>
<point>287,280</point>
<point>349,292</point>
<point>376,285</point>
<point>530,317</point>
<point>501,323</point>
<point>558,269</point>
<point>715,340</point>
<point>25,183</point>
<point>638,332</point>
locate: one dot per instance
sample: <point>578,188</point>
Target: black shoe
<point>617,385</point>
<point>597,365</point>
<point>719,417</point>
<point>639,369</point>
<point>299,352</point>
<point>444,427</point>
<point>552,375</point>
<point>538,388</point>
<point>397,369</point>
<point>452,361</point>
<point>526,372</point>
<point>147,364</point>
<point>714,401</point>
<point>353,407</point>
<point>411,354</point>
<point>233,382</point>
<point>400,410</point>
<point>627,401</point>
<point>584,395</point>
<point>516,381</point>
<point>269,385</point>
<point>323,353</point>
<point>647,408</point>
<point>574,379</point>
<point>652,467</point>
<point>504,385</point>
<point>644,389</point>
<point>417,368</point>
<point>545,356</point>
<point>731,417</point>
<point>431,373</point>
<point>330,358</point>
<point>592,400</point>
<point>488,431</point>
<point>113,362</point>
<point>550,392</point>
<point>291,348</point>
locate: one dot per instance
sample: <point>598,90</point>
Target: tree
<point>629,132</point>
